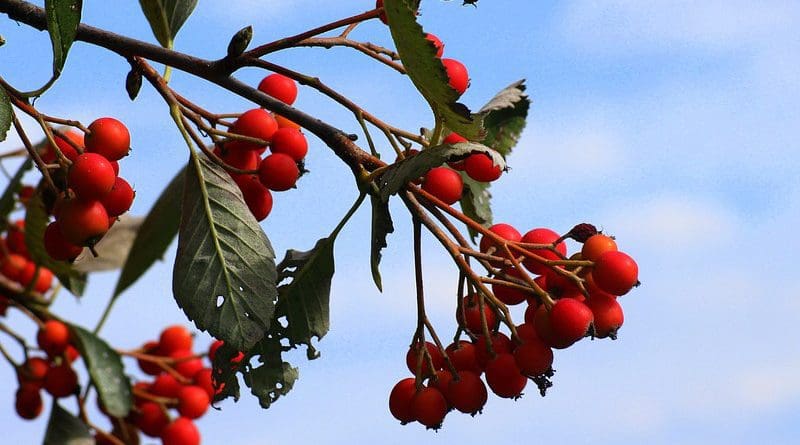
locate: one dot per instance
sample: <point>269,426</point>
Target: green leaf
<point>427,72</point>
<point>224,276</point>
<point>6,118</point>
<point>399,174</point>
<point>155,234</point>
<point>305,301</point>
<point>382,226</point>
<point>504,117</point>
<point>65,429</point>
<point>166,17</point>
<point>476,203</point>
<point>36,220</point>
<point>63,18</point>
<point>106,370</point>
<point>274,378</point>
<point>9,195</point>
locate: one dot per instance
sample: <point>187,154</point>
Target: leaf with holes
<point>36,220</point>
<point>382,226</point>
<point>505,117</point>
<point>274,378</point>
<point>63,18</point>
<point>106,370</point>
<point>398,175</point>
<point>224,276</point>
<point>65,429</point>
<point>427,72</point>
<point>166,17</point>
<point>6,118</point>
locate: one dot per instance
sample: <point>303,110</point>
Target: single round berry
<point>533,357</point>
<point>91,176</point>
<point>290,141</point>
<point>280,87</point>
<point>53,337</point>
<point>468,393</point>
<point>61,380</point>
<point>203,378</point>
<point>193,402</point>
<point>33,371</point>
<point>257,197</point>
<point>15,239</point>
<point>242,159</point>
<point>509,295</point>
<point>186,363</point>
<point>542,236</point>
<point>444,183</point>
<point>69,152</point>
<point>464,356</point>
<point>165,385</point>
<point>504,231</point>
<point>504,376</point>
<point>256,123</point>
<point>437,44</point>
<point>181,431</point>
<point>28,402</point>
<point>150,367</point>
<point>429,407</point>
<point>43,275</point>
<point>441,381</point>
<point>608,315</point>
<point>471,319</point>
<point>175,338</point>
<point>481,167</point>
<point>12,266</point>
<point>597,245</point>
<point>57,245</point>
<point>615,272</point>
<point>151,418</point>
<point>400,400</point>
<point>413,356</point>
<point>457,75</point>
<point>278,172</point>
<point>570,320</point>
<point>83,223</point>
<point>120,199</point>
<point>500,344</point>
<point>108,137</point>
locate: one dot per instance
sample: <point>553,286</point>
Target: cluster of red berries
<point>16,263</point>
<point>454,373</point>
<point>181,382</point>
<point>279,170</point>
<point>52,372</point>
<point>95,194</point>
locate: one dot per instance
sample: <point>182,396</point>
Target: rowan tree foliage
<point>226,276</point>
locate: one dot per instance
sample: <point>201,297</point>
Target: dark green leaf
<point>504,117</point>
<point>381,227</point>
<point>106,370</point>
<point>476,203</point>
<point>305,301</point>
<point>274,378</point>
<point>10,194</point>
<point>427,72</point>
<point>36,220</point>
<point>65,429</point>
<point>398,175</point>
<point>5,114</point>
<point>63,18</point>
<point>166,17</point>
<point>155,234</point>
<point>224,277</point>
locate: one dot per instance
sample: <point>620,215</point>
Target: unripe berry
<point>481,167</point>
<point>444,183</point>
<point>597,245</point>
<point>83,223</point>
<point>278,172</point>
<point>291,142</point>
<point>91,177</point>
<point>120,199</point>
<point>457,75</point>
<point>108,137</point>
<point>181,431</point>
<point>280,87</point>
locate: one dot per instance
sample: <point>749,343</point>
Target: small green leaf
<point>155,234</point>
<point>274,378</point>
<point>505,116</point>
<point>65,429</point>
<point>36,220</point>
<point>224,276</point>
<point>382,226</point>
<point>63,18</point>
<point>166,17</point>
<point>9,195</point>
<point>106,370</point>
<point>427,72</point>
<point>5,114</point>
<point>398,175</point>
<point>476,203</point>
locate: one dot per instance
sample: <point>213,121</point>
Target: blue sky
<point>673,125</point>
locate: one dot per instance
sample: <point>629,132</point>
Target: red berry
<point>504,231</point>
<point>151,418</point>
<point>108,137</point>
<point>533,357</point>
<point>280,87</point>
<point>61,380</point>
<point>91,176</point>
<point>186,364</point>
<point>242,159</point>
<point>504,376</point>
<point>467,394</point>
<point>193,402</point>
<point>12,266</point>
<point>597,245</point>
<point>441,381</point>
<point>28,402</point>
<point>542,236</point>
<point>527,332</point>
<point>147,366</point>
<point>174,338</point>
<point>501,344</point>
<point>83,222</point>
<point>412,357</point>
<point>437,44</point>
<point>53,337</point>
<point>285,122</point>
<point>290,141</point>
<point>429,407</point>
<point>444,183</point>
<point>615,272</point>
<point>16,238</point>
<point>204,380</point>
<point>69,152</point>
<point>256,123</point>
<point>510,295</point>
<point>165,385</point>
<point>464,356</point>
<point>257,197</point>
<point>471,319</point>
<point>120,199</point>
<point>457,75</point>
<point>57,245</point>
<point>570,320</point>
<point>181,431</point>
<point>608,315</point>
<point>481,167</point>
<point>278,172</point>
<point>454,138</point>
<point>400,400</point>
<point>33,371</point>
<point>44,280</point>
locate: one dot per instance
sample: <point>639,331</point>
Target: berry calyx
<point>444,183</point>
<point>108,137</point>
